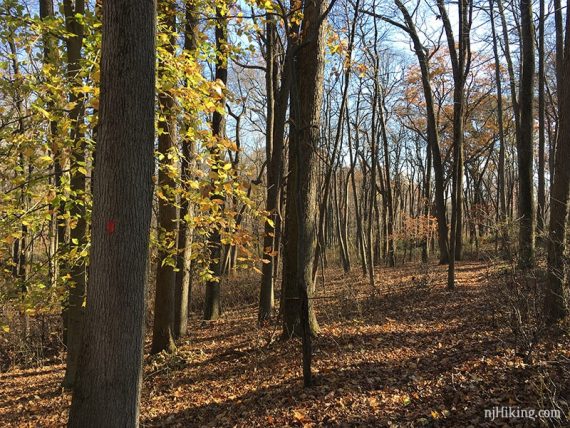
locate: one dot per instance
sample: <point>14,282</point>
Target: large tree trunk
<point>107,388</point>
<point>163,327</point>
<point>306,100</point>
<point>525,142</point>
<point>301,226</point>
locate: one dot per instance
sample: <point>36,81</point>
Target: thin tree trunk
<point>277,101</point>
<point>388,189</point>
<point>358,212</point>
<point>212,304</point>
<point>20,245</point>
<point>338,135</point>
<point>74,312</point>
<point>460,55</point>
<point>433,136</point>
<point>182,290</point>
<point>163,326</point>
<point>541,123</point>
<point>502,203</point>
<point>50,55</point>
<point>557,292</point>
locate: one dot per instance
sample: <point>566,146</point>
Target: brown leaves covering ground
<point>405,354</point>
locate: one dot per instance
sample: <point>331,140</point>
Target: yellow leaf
<point>45,160</point>
<point>300,416</point>
<point>160,195</point>
<point>373,402</point>
<point>44,112</point>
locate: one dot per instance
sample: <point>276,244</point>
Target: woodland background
<point>370,196</point>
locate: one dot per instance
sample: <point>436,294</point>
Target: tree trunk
<point>388,190</point>
<point>433,136</point>
<point>357,210</point>
<point>460,55</point>
<point>541,124</point>
<point>525,142</point>
<point>212,304</point>
<point>557,290</point>
<point>107,388</point>
<point>57,231</point>
<point>185,231</point>
<point>74,312</point>
<point>502,203</point>
<point>163,327</point>
<point>277,101</point>
<point>305,100</point>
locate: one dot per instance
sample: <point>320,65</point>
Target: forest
<point>315,213</point>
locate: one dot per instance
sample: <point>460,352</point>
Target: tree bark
<point>460,55</point>
<point>74,312</point>
<point>163,327</point>
<point>525,142</point>
<point>212,304</point>
<point>57,232</point>
<point>107,388</point>
<point>305,101</point>
<point>541,123</point>
<point>557,292</point>
<point>277,101</point>
<point>185,230</point>
<point>388,190</point>
<point>502,203</point>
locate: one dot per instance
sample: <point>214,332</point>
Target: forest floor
<point>409,353</point>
